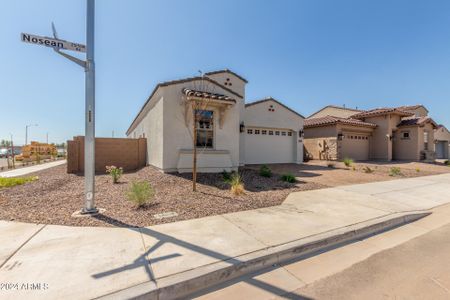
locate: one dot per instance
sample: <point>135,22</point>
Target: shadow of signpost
<point>143,261</point>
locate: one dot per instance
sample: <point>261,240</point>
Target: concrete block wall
<point>130,154</point>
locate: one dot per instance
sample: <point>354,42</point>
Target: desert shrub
<point>367,170</point>
<point>395,171</point>
<point>265,171</point>
<point>331,164</point>
<point>13,181</point>
<point>353,168</point>
<point>237,184</point>
<point>140,192</point>
<point>226,176</point>
<point>288,178</point>
<point>115,173</point>
<point>447,162</point>
<point>348,162</point>
<point>417,170</point>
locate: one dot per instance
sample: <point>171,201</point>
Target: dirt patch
<point>338,175</point>
<point>56,195</point>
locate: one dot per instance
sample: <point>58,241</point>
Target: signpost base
<point>88,213</point>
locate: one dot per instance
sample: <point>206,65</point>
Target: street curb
<point>183,284</point>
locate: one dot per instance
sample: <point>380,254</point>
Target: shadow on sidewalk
<point>143,261</point>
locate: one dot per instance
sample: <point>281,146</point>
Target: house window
<point>256,131</point>
<point>289,133</point>
<point>264,131</point>
<point>425,141</point>
<point>249,131</point>
<point>205,128</point>
<point>270,132</point>
<point>283,133</point>
<point>405,135</point>
<point>277,133</point>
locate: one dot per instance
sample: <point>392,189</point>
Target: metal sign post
<point>89,67</point>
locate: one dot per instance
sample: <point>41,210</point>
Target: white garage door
<point>269,146</point>
<point>441,151</point>
<point>355,146</point>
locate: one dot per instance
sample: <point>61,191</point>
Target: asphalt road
<point>417,269</point>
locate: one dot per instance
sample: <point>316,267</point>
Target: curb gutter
<point>183,284</point>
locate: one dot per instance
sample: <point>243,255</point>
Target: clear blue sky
<point>307,54</point>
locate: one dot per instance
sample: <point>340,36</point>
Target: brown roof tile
<point>381,112</point>
<point>207,95</point>
<point>331,120</point>
<point>417,121</point>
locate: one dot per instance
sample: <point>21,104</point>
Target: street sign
<point>52,43</point>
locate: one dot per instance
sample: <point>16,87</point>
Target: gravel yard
<point>56,195</point>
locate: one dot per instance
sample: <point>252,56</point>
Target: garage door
<point>355,146</point>
<point>269,146</point>
<point>441,149</point>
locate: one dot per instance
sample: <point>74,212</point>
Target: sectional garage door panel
<point>355,146</point>
<point>441,149</point>
<point>268,149</point>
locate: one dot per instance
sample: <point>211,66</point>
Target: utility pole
<point>89,68</point>
<point>89,140</point>
<point>26,132</point>
<point>12,152</point>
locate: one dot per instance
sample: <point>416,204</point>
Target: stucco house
<point>229,133</point>
<point>400,133</point>
<point>442,141</point>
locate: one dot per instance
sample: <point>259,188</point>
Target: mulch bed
<point>56,195</point>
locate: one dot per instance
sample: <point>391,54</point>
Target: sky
<point>306,54</point>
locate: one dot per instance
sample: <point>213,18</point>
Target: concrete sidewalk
<point>90,262</point>
<point>32,169</point>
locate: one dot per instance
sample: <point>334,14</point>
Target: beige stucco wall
<point>334,111</point>
<point>381,145</point>
<point>178,136</point>
<point>322,131</point>
<point>259,116</point>
<point>442,134</point>
<point>419,112</point>
<point>150,125</point>
<point>406,149</point>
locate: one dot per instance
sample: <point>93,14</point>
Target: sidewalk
<point>90,262</point>
<point>32,169</point>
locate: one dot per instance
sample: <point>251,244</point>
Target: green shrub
<point>226,176</point>
<point>115,173</point>
<point>348,162</point>
<point>140,192</point>
<point>13,181</point>
<point>395,171</point>
<point>237,184</point>
<point>417,170</point>
<point>265,171</point>
<point>447,162</point>
<point>288,178</point>
<point>367,170</point>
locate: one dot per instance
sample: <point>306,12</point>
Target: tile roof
<point>274,100</point>
<point>417,121</point>
<point>331,120</point>
<point>411,107</point>
<point>381,112</point>
<point>207,95</point>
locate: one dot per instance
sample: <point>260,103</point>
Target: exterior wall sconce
<point>301,133</point>
<point>241,127</point>
<point>389,137</point>
<point>340,136</point>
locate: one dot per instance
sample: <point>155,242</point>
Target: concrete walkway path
<point>90,262</point>
<point>32,169</point>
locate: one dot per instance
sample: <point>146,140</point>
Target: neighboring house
<point>335,111</point>
<point>442,141</point>
<point>401,133</point>
<point>229,133</point>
